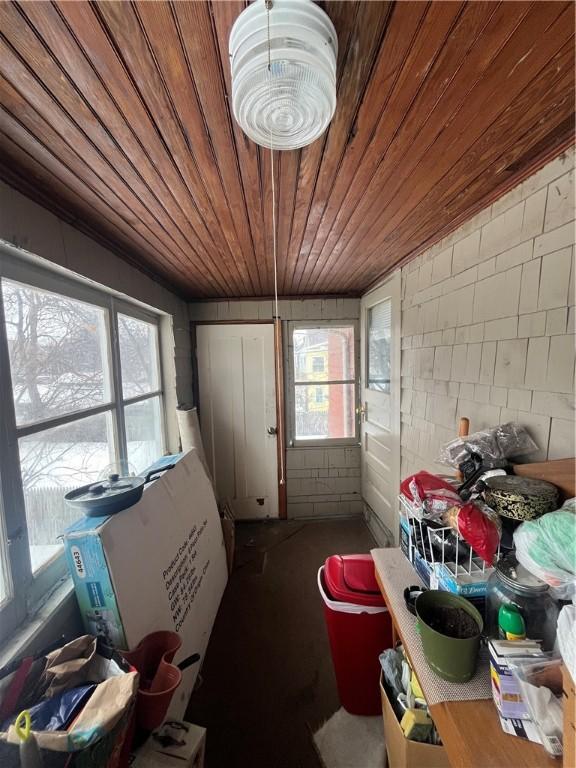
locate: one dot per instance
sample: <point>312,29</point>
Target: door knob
<point>272,431</point>
<point>362,410</point>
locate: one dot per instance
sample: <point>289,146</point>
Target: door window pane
<point>143,433</point>
<point>138,356</point>
<point>379,323</point>
<point>323,354</point>
<point>324,412</point>
<point>58,353</point>
<point>54,462</point>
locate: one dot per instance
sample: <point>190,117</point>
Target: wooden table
<point>470,730</point>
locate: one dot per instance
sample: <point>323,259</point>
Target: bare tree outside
<point>59,364</point>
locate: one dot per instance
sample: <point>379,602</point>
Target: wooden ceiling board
<point>117,116</point>
<point>542,33</point>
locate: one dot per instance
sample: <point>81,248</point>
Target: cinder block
<point>481,415</point>
<point>459,354</point>
<point>562,439</point>
<point>502,232</point>
<point>447,311</point>
<point>425,274</point>
<point>498,295</point>
<point>515,256</point>
<point>466,252</point>
<point>507,201</point>
<point>429,316</point>
<point>465,304</point>
<point>533,324</point>
<point>442,363</point>
<point>406,401</point>
<point>487,362</point>
<point>556,320</point>
<point>529,286</point>
<point>498,396</point>
<point>537,426</point>
<point>495,330</point>
<point>481,393</point>
<point>555,279</point>
<point>453,388</point>
<point>560,202</point>
<point>467,277</point>
<point>534,210</point>
<point>555,240</point>
<point>411,282</point>
<point>487,268</point>
<point>448,336</point>
<point>473,358</point>
<point>571,326</point>
<point>521,399</point>
<point>537,362</point>
<point>549,172</point>
<point>441,410</point>
<point>553,404</point>
<point>425,362</point>
<point>510,363</point>
<point>442,266</point>
<point>419,404</point>
<point>560,375</point>
<point>432,339</point>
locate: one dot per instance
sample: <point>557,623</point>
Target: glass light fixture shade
<point>291,102</point>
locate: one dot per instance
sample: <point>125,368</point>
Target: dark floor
<point>268,682</point>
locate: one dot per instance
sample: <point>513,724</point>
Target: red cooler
<point>359,628</point>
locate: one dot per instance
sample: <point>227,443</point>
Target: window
<point>379,323</point>
<point>324,355</point>
<point>318,364</point>
<point>81,396</point>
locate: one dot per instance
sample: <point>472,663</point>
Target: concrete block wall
<point>488,321</point>
<point>320,482</point>
<point>32,231</point>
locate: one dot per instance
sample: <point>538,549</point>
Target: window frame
<point>293,441</point>
<point>33,587</point>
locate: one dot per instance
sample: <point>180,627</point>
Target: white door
<point>238,415</point>
<point>380,406</point>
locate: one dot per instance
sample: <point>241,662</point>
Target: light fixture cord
<point>277,321</point>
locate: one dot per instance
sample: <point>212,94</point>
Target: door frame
<point>391,288</point>
<point>279,382</point>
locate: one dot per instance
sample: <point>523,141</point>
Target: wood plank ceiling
<point>116,115</point>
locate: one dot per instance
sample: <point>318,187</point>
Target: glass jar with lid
<point>512,584</point>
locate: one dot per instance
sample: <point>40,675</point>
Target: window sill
<point>342,442</point>
<point>29,637</point>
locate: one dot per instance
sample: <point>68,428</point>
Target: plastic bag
<point>479,526</point>
<point>540,684</point>
<point>495,444</point>
<point>431,496</point>
<point>546,548</point>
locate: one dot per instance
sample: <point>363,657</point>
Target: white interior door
<point>380,406</point>
<point>238,415</point>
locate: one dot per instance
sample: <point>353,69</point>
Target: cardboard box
<point>505,688</point>
<point>160,564</point>
<point>403,753</point>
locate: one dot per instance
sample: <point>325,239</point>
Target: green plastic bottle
<point>511,623</point>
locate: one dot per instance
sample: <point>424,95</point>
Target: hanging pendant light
<point>283,57</point>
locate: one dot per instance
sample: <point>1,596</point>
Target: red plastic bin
<point>359,629</point>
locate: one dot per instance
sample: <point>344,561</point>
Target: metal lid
<point>521,485</point>
<point>512,573</point>
<point>113,486</point>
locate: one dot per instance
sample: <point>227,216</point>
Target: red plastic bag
<point>425,482</point>
<point>479,530</point>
